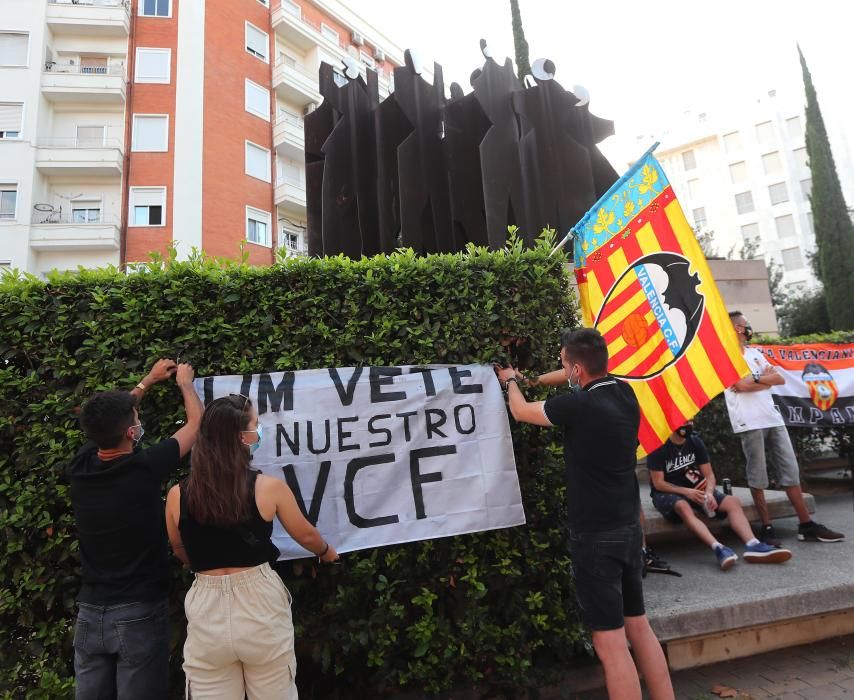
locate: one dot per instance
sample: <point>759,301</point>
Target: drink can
<point>706,509</point>
<point>727,486</point>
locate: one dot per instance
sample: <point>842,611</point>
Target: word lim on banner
<point>643,281</point>
<point>384,455</point>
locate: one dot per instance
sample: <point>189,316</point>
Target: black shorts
<point>607,568</point>
<point>665,503</point>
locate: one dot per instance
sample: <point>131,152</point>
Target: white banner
<point>384,455</point>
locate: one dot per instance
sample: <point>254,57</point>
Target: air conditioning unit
<point>379,55</point>
<point>358,39</point>
<point>308,109</point>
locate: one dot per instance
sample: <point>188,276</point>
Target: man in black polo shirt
<point>600,418</point>
<point>121,635</point>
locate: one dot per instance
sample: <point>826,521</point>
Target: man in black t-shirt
<point>121,635</point>
<point>600,419</point>
<point>683,490</point>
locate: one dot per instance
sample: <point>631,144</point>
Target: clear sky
<point>645,63</point>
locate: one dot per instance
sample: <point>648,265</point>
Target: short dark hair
<point>587,347</point>
<point>735,314</point>
<point>106,416</point>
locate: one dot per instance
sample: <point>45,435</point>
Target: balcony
<point>101,18</point>
<point>291,197</point>
<point>294,83</point>
<point>302,32</point>
<point>68,82</point>
<point>289,136</point>
<point>79,157</point>
<point>56,232</point>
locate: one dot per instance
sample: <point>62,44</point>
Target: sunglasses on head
<point>245,400</point>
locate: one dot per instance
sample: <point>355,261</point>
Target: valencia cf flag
<point>644,283</point>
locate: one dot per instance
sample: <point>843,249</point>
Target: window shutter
<point>11,116</point>
<point>258,162</point>
<point>152,65</point>
<point>13,49</point>
<point>150,133</point>
<point>149,197</point>
<point>257,99</point>
<point>256,40</point>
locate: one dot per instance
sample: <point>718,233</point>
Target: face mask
<point>748,332</point>
<point>573,387</point>
<point>139,435</point>
<point>685,430</point>
<point>254,446</point>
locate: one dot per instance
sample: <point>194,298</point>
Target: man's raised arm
<point>186,436</point>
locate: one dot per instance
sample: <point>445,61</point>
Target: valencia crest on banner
<point>644,283</point>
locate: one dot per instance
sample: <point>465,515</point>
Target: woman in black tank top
<point>220,521</point>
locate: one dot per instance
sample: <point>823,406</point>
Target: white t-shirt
<point>752,410</point>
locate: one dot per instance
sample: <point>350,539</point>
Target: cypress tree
<point>523,63</point>
<point>834,231</point>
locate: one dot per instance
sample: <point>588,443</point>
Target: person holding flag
<point>600,419</point>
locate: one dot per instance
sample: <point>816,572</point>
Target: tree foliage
<point>834,230</point>
<point>493,608</point>
<point>520,44</point>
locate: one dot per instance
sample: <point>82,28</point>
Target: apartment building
<point>129,126</point>
<point>745,177</point>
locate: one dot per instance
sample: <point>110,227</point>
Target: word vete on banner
<point>643,281</point>
<point>819,388</point>
<point>384,455</point>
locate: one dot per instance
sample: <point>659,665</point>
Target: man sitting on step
<point>683,490</point>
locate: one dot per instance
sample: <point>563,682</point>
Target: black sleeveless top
<point>214,547</point>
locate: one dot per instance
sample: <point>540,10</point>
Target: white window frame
<point>771,190</point>
<point>259,215</point>
<point>156,80</point>
<point>79,139</point>
<point>328,31</point>
<point>752,203</point>
<point>26,63</point>
<point>693,157</point>
<point>132,193</point>
<point>87,204</point>
<point>782,235</point>
<point>294,6</point>
<point>265,3</point>
<point>142,14</point>
<point>20,132</point>
<point>7,187</point>
<point>268,161</point>
<point>800,254</point>
<point>263,115</point>
<point>779,170</point>
<point>266,56</point>
<point>134,147</point>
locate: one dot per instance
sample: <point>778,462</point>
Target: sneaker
<point>726,557</point>
<point>764,553</point>
<point>768,535</point>
<point>816,532</point>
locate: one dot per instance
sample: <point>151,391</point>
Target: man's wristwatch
<point>756,377</point>
<point>141,386</point>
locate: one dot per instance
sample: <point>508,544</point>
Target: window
<point>90,136</point>
<point>258,226</point>
<point>94,65</point>
<point>289,116</point>
<point>11,118</point>
<point>785,226</point>
<point>291,241</point>
<point>744,202</point>
<point>288,171</point>
<point>367,59</point>
<point>771,163</point>
<point>750,233</point>
<point>732,142</point>
<point>329,33</point>
<point>86,211</point>
<point>257,42</point>
<point>265,3</point>
<point>257,162</point>
<point>147,206</point>
<point>806,187</point>
<point>14,47</point>
<point>765,133</point>
<point>689,160</point>
<point>155,8</point>
<point>699,217</point>
<point>694,189</point>
<point>809,223</point>
<point>738,172</point>
<point>793,127</point>
<point>291,8</point>
<point>8,202</point>
<point>792,259</point>
<point>150,132</point>
<point>153,65</point>
<point>801,158</point>
<point>257,100</point>
<point>779,193</point>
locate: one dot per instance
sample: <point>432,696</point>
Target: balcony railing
<point>299,68</point>
<point>78,142</point>
<point>60,217</point>
<point>293,120</point>
<point>80,69</point>
<point>93,3</point>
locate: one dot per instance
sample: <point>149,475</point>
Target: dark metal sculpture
<point>420,171</point>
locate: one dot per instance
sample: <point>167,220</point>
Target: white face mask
<point>139,435</point>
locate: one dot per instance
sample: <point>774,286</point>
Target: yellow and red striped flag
<point>643,281</point>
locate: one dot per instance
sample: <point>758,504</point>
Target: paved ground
<point>820,671</point>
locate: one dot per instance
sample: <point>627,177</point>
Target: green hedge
<point>495,608</point>
<point>725,448</point>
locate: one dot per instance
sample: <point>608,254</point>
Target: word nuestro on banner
<point>384,455</point>
<point>819,388</point>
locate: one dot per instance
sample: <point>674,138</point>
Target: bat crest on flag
<point>644,283</point>
<point>822,387</point>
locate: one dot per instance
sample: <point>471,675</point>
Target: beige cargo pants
<point>240,637</point>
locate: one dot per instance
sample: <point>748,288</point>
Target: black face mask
<point>748,333</point>
<point>685,430</point>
